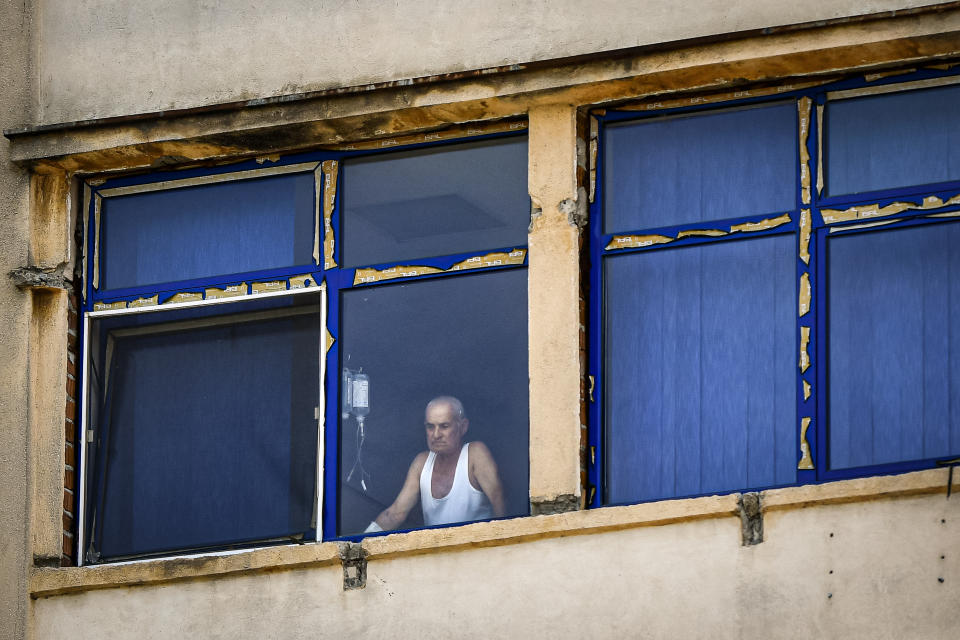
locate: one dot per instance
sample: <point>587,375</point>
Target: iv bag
<point>360,395</point>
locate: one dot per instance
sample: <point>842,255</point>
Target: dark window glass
<point>893,140</point>
<point>464,337</point>
<point>687,169</point>
<point>208,230</point>
<point>431,202</point>
<point>700,369</point>
<point>894,345</point>
<point>205,426</point>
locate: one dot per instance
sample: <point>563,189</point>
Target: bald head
<point>448,401</point>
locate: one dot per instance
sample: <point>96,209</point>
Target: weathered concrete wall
<point>16,101</point>
<point>882,569</point>
<point>111,57</point>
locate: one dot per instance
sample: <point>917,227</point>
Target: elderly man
<point>455,481</point>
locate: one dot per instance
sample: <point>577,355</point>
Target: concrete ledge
<point>53,581</point>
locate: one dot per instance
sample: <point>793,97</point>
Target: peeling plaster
<point>183,296</point>
<point>807,390</point>
<point>144,302</point>
<point>708,233</point>
<point>803,113</point>
<point>330,172</point>
<point>862,212</point>
<point>632,242</point>
<point>497,259</point>
<point>266,287</point>
<point>231,291</point>
<point>806,458</point>
<point>806,224</point>
<point>804,353</point>
<point>763,225</point>
<point>804,294</point>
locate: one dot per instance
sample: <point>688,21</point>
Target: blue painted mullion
<point>331,440</point>
<point>595,332</point>
<point>818,352</point>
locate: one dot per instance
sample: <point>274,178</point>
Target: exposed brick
<point>68,500</point>
<point>71,387</point>
<point>71,339</point>
<point>71,409</point>
<point>69,455</point>
<point>67,544</point>
<point>69,481</point>
<point>67,522</point>
<point>71,367</point>
<point>69,431</point>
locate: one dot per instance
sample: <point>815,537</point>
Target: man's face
<point>444,429</point>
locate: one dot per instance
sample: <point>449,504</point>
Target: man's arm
<point>484,475</point>
<point>394,515</point>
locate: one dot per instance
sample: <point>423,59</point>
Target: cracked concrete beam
<point>40,278</point>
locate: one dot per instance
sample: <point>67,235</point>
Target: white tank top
<point>463,503</point>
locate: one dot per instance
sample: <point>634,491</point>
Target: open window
<point>216,300</point>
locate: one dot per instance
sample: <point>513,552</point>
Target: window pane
<point>894,313</point>
<point>432,202</point>
<point>893,140</point>
<point>464,337</point>
<point>208,230</point>
<point>685,169</point>
<point>701,369</point>
<point>206,426</point>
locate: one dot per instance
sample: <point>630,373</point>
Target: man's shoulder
<point>479,451</point>
<point>420,460</point>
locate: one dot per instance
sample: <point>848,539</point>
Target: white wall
<point>881,561</point>
<point>110,57</point>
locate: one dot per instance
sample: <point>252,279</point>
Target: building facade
<point>691,270</point>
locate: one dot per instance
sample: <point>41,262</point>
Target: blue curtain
<point>894,349</point>
<point>195,232</point>
<point>893,140</point>
<point>700,369</point>
<point>686,169</point>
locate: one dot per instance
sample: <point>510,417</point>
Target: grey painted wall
<point>110,57</point>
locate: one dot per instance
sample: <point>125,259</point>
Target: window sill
<point>53,581</point>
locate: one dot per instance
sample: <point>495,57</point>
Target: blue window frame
<point>774,287</point>
<point>218,315</point>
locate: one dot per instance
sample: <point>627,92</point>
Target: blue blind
<point>685,169</point>
<point>701,369</point>
<point>209,433</point>
<point>207,230</point>
<point>894,314</point>
<point>893,140</point>
<point>464,336</point>
<point>431,202</point>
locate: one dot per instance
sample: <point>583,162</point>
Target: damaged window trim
<point>817,215</point>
